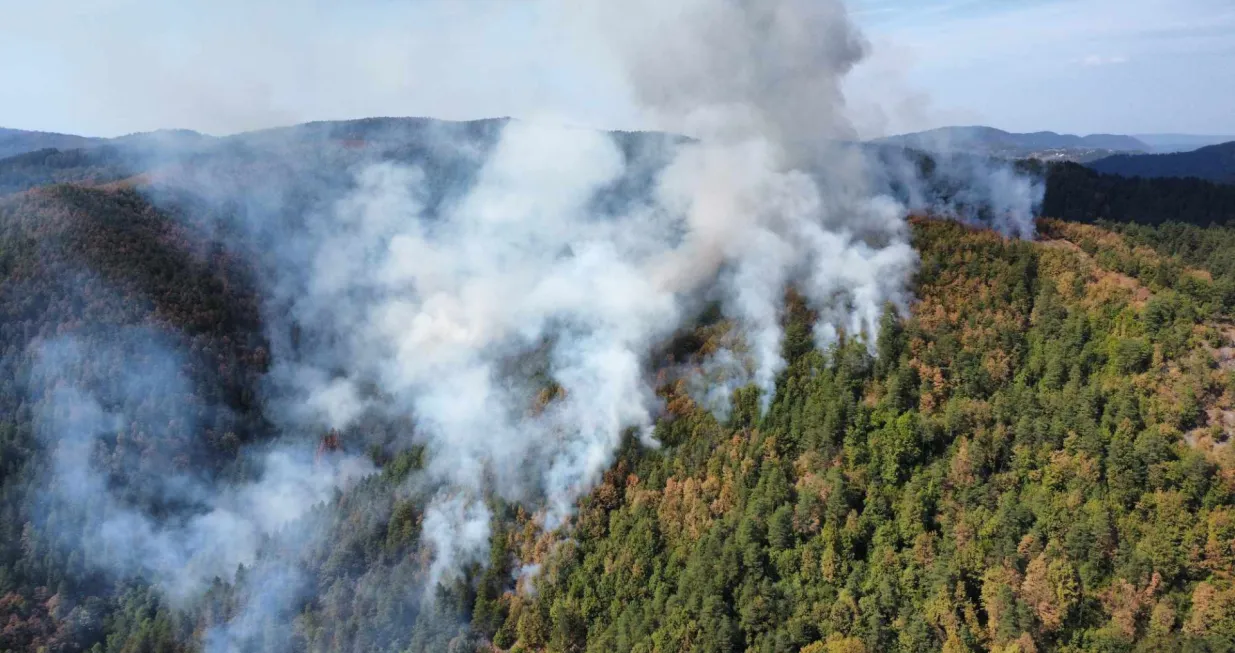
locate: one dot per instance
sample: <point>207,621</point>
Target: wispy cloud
<point>1094,60</point>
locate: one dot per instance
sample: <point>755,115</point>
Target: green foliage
<point>1027,460</point>
<point>1007,472</point>
<point>1077,193</point>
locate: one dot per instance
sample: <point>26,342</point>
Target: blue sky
<point>108,67</point>
<point>1129,66</point>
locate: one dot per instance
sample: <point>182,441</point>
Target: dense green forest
<point>1214,163</point>
<point>1074,192</point>
<point>1036,457</point>
<point>1035,460</point>
<point>88,261</point>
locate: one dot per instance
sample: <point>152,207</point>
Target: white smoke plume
<point>946,179</point>
<point>432,307</point>
<point>130,388</point>
<point>504,296</point>
<point>985,192</point>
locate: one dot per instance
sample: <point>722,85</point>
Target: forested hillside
<point>1213,163</point>
<point>93,262</point>
<point>650,346</point>
<point>18,141</point>
<point>1035,458</point>
<point>1074,192</point>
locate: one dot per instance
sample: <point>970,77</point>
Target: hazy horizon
<point>125,66</point>
<point>1158,136</point>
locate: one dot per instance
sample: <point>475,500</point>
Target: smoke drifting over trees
<point>492,294</point>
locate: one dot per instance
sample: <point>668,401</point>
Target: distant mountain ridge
<point>1171,143</point>
<point>997,142</point>
<point>1213,163</point>
<point>19,141</point>
<point>16,142</point>
<point>342,143</point>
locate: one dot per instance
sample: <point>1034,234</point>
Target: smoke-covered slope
<point>50,166</point>
<point>460,325</point>
<point>403,384</point>
<point>1019,466</point>
<point>409,385</point>
<point>93,282</point>
<point>870,483</point>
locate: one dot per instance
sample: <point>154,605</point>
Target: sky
<point>1080,66</point>
<point>111,67</point>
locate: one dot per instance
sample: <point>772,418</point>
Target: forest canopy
<point>1028,450</point>
<point>1034,458</point>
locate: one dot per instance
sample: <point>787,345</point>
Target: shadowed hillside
<point>16,141</point>
<point>1213,163</point>
<point>1078,193</point>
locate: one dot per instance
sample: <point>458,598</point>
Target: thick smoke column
<point>774,192</point>
<point>453,315</point>
<point>436,307</point>
<point>738,70</point>
<point>501,290</point>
